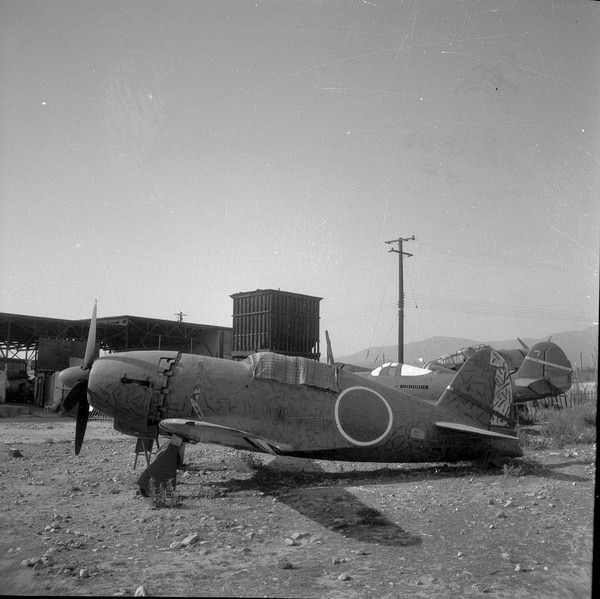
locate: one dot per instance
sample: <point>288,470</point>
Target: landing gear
<point>164,467</point>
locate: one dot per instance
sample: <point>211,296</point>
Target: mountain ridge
<point>575,344</point>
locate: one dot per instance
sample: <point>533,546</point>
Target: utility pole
<point>400,293</point>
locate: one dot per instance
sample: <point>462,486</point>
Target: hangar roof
<point>20,332</point>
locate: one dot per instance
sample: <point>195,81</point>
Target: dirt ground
<point>270,527</point>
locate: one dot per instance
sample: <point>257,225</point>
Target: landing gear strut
<point>164,467</point>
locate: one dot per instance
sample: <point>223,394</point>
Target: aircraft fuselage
<point>350,418</point>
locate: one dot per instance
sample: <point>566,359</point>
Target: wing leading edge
<point>207,432</point>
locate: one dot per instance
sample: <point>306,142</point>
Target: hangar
<point>34,348</point>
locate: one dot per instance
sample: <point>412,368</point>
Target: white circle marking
<point>346,435</point>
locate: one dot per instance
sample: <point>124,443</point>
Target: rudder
<point>481,392</point>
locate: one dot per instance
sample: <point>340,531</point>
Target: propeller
<point>76,378</point>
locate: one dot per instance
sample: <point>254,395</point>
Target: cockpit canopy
<point>454,361</point>
<point>396,369</point>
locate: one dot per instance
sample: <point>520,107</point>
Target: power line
<point>428,302</point>
<point>419,320</point>
<point>453,304</point>
<point>379,311</point>
<point>385,340</point>
<point>417,308</point>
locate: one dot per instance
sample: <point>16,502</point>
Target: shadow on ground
<point>322,496</point>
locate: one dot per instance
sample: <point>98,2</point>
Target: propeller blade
<point>83,413</point>
<point>76,395</point>
<point>90,348</point>
<point>77,377</point>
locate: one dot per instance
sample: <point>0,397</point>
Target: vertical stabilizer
<point>330,359</point>
<point>545,372</point>
<point>481,392</point>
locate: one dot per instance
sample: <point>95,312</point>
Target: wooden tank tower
<point>278,321</point>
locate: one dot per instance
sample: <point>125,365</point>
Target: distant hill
<point>573,343</point>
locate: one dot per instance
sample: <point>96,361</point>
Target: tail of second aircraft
<point>479,398</point>
<point>546,371</point>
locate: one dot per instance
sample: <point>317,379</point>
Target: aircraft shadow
<point>322,497</point>
<point>330,505</point>
<point>338,510</point>
<point>548,471</point>
<point>277,476</point>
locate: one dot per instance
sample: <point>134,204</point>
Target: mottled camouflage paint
<point>300,420</point>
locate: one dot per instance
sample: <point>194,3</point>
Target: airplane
<point>291,406</point>
<point>540,371</point>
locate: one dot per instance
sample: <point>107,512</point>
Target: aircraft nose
<point>100,384</point>
<point>130,387</point>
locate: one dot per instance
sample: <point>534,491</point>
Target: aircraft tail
<point>330,359</point>
<point>481,393</point>
<point>546,371</point>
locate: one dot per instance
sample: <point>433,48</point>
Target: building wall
<point>55,354</point>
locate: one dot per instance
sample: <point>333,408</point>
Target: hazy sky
<point>162,156</point>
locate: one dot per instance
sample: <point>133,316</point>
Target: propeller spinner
<point>76,378</point>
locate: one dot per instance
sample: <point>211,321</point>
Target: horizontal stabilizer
<point>206,432</point>
<point>544,388</point>
<point>465,428</point>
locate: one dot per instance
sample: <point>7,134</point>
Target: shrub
<point>531,439</point>
<point>588,413</point>
<point>525,417</point>
<point>521,467</point>
<point>209,492</point>
<point>572,425</point>
<point>163,494</point>
<point>512,469</point>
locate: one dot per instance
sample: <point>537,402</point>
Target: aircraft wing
<point>541,387</point>
<point>465,428</point>
<point>206,432</point>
